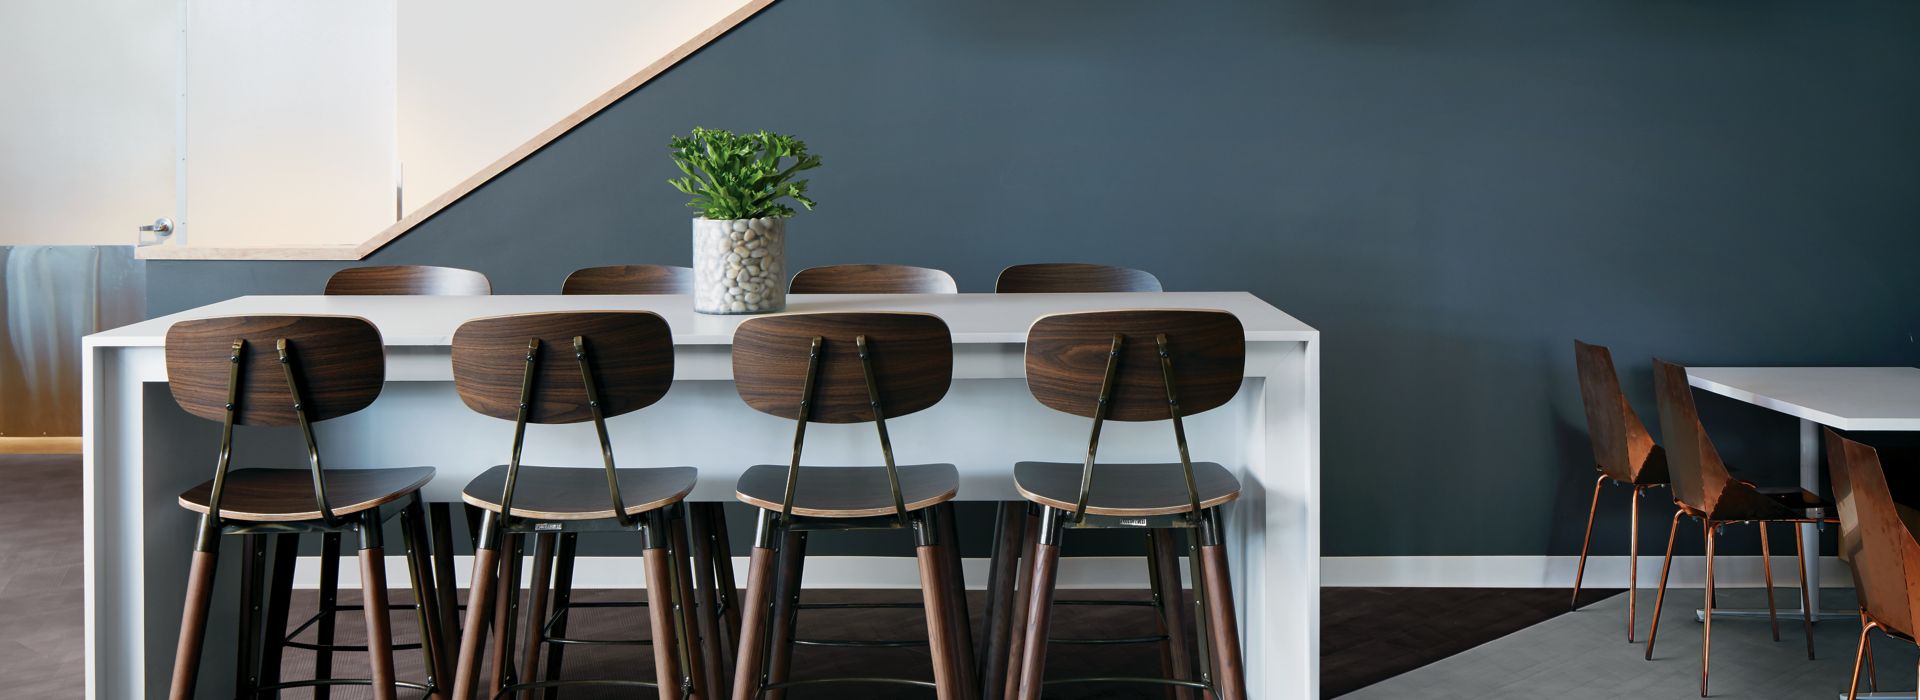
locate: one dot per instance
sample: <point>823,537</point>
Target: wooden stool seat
<point>579,493</point>
<point>1127,490</point>
<point>286,495</point>
<point>849,492</point>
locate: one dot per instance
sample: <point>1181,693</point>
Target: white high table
<point>1846,398</point>
<point>142,450</point>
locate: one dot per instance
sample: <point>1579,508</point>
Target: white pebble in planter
<point>739,265</point>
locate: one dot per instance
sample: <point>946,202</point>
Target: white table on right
<point>1846,398</point>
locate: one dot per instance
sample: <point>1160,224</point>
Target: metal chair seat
<point>579,493</point>
<point>286,495</point>
<point>849,492</point>
<point>1126,490</point>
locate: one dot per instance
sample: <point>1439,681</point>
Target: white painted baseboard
<point>821,572</point>
<point>1557,572</point>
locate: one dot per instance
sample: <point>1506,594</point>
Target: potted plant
<point>740,184</point>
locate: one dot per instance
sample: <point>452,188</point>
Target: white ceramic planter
<point>740,266</point>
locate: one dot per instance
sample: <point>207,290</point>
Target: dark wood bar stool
<point>846,368</point>
<point>1703,489</point>
<point>1073,278</point>
<point>293,371</point>
<point>1878,542</point>
<point>610,363</point>
<point>630,279</point>
<point>408,279</point>
<point>1135,365</point>
<point>1623,453</point>
<point>872,279</point>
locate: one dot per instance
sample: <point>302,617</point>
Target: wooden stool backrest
<point>408,279</point>
<point>631,353</point>
<point>911,355</point>
<point>630,279</point>
<point>1046,278</point>
<point>872,279</point>
<point>1067,361</point>
<point>339,362</point>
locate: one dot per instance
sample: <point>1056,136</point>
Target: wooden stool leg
<point>562,597</point>
<point>706,598</point>
<point>660,614</point>
<point>426,600</point>
<point>541,584</point>
<point>373,598</point>
<point>1009,522</point>
<point>486,565</point>
<point>193,623</point>
<point>1170,601</point>
<point>936,592</point>
<point>1229,675</point>
<point>1022,600</point>
<point>959,618</point>
<point>686,629</point>
<point>786,612</point>
<point>253,570</point>
<point>754,610</point>
<point>444,585</point>
<point>1046,561</point>
<point>329,607</point>
<point>506,612</point>
<point>286,550</point>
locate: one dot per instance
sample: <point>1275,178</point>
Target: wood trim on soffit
<point>466,187</point>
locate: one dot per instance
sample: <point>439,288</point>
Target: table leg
<point>1809,480</point>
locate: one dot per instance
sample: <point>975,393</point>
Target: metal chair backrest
<point>1621,444</point>
<point>1877,544</point>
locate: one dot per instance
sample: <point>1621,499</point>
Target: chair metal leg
<point>1633,560</point>
<point>1022,601</point>
<point>1009,518</point>
<point>1706,629</point>
<point>660,585</point>
<point>1170,601</point>
<point>936,594</point>
<point>1660,596</point>
<point>541,584</point>
<point>1860,653</point>
<point>444,585</point>
<point>373,598</point>
<point>959,619</point>
<point>286,551</point>
<point>329,608</point>
<point>193,624</point>
<point>706,598</point>
<point>253,570</point>
<point>730,606</point>
<point>486,566</point>
<point>506,613</point>
<point>786,612</point>
<point>755,607</point>
<point>1766,571</point>
<point>562,597</point>
<point>1580,572</point>
<point>1046,561</point>
<point>1806,605</point>
<point>693,658</point>
<point>1873,679</point>
<point>426,599</point>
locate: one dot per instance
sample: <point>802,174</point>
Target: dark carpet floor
<point>1367,635</point>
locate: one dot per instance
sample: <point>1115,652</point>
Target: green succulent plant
<point>740,176</point>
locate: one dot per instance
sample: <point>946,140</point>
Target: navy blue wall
<point>1450,191</point>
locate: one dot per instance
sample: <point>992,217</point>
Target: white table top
<point>973,318</point>
<point>1848,398</point>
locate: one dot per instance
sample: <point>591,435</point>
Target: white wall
<point>87,123</point>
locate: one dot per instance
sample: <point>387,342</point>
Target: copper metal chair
<point>872,279</point>
<point>630,279</point>
<point>1073,278</point>
<point>846,368</point>
<point>408,279</point>
<point>1878,541</point>
<point>293,371</point>
<point>1137,365</point>
<point>1623,453</point>
<point>571,367</point>
<point>1703,489</point>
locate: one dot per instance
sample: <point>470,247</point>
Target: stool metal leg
<point>755,608</point>
<point>706,598</point>
<point>486,559</point>
<point>1169,602</point>
<point>253,565</point>
<point>1007,530</point>
<point>329,606</point>
<point>444,586</point>
<point>1022,600</point>
<point>426,600</point>
<point>723,575</point>
<point>693,658</point>
<point>541,584</point>
<point>562,597</point>
<point>286,550</point>
<point>373,594</point>
<point>786,612</point>
<point>506,612</point>
<point>1046,560</point>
